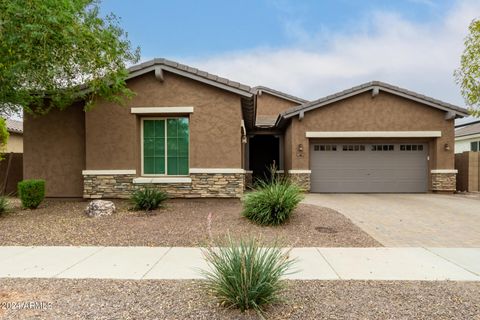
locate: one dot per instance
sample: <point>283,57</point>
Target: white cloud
<point>387,47</point>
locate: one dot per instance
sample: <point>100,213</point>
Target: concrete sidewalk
<point>460,264</point>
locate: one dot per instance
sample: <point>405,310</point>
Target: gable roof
<point>468,129</point>
<point>374,85</point>
<point>14,126</point>
<point>159,65</point>
<point>259,89</point>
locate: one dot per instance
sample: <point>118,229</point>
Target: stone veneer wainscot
<point>202,185</point>
<point>301,178</point>
<point>444,180</point>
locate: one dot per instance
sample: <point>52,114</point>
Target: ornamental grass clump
<point>148,199</point>
<point>31,192</point>
<point>245,275</point>
<point>272,201</point>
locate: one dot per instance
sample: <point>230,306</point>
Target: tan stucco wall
<point>14,143</point>
<point>288,151</point>
<point>54,150</point>
<point>270,105</point>
<point>385,112</point>
<point>113,133</point>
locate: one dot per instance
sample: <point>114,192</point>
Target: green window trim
<point>165,146</point>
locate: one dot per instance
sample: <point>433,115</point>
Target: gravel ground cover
<point>180,223</point>
<point>114,299</point>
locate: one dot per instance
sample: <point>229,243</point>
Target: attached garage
<point>369,167</point>
<point>371,138</point>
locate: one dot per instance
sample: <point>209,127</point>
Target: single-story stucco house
<point>467,137</point>
<point>195,134</point>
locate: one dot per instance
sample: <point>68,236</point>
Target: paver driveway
<point>396,220</point>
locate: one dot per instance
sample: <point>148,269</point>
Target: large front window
<point>165,146</point>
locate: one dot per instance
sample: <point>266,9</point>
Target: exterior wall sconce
<point>447,147</point>
<point>300,147</point>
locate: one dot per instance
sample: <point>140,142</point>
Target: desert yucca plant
<point>245,275</point>
<point>148,199</point>
<point>272,201</point>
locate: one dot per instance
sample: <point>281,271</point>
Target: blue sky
<point>309,48</point>
<point>192,28</point>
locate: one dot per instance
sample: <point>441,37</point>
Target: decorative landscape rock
<point>98,208</point>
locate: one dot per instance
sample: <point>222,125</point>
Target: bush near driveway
<point>272,201</point>
<point>31,193</point>
<point>245,275</point>
<point>148,199</point>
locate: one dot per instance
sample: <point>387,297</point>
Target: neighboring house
<point>15,139</point>
<point>467,137</point>
<point>195,134</point>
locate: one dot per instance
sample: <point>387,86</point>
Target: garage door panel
<point>348,168</point>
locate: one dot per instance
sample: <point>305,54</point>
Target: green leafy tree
<point>54,52</point>
<point>3,136</point>
<point>468,74</point>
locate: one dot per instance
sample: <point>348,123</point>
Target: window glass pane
<point>474,146</point>
<point>183,147</point>
<point>172,147</point>
<point>159,128</point>
<point>149,128</point>
<point>148,165</point>
<point>172,127</point>
<point>166,138</point>
<point>172,166</point>
<point>159,147</point>
<point>420,147</point>
<point>182,130</point>
<point>183,165</point>
<point>148,147</point>
<point>160,165</point>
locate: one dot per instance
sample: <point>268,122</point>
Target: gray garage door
<point>353,167</point>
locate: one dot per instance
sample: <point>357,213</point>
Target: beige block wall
<point>468,166</point>
<point>385,112</point>
<point>113,133</point>
<point>14,143</point>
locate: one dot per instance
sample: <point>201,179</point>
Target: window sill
<point>142,180</point>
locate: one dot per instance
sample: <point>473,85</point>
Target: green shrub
<point>3,204</point>
<point>272,201</point>
<point>31,192</point>
<point>245,275</point>
<point>148,199</point>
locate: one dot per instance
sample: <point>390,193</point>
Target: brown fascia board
<point>160,65</point>
<point>381,86</point>
<point>259,89</point>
